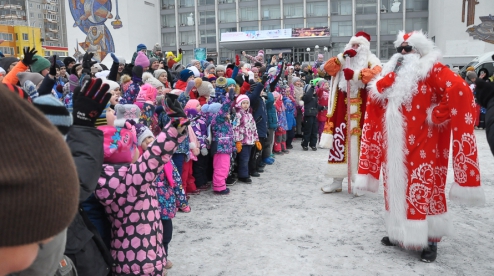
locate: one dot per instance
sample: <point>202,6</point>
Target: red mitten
<point>237,60</point>
<point>348,73</point>
<point>441,113</point>
<point>351,53</point>
<point>385,82</point>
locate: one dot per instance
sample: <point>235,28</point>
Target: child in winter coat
<point>222,145</point>
<point>322,92</point>
<point>245,136</point>
<point>290,113</point>
<point>129,195</point>
<point>280,132</point>
<point>191,109</point>
<point>200,129</point>
<point>169,189</point>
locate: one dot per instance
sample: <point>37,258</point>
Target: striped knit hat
<point>55,112</point>
<point>101,121</point>
<point>19,91</point>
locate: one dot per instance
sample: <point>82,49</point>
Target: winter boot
<point>429,254</point>
<point>385,241</point>
<point>335,187</point>
<point>283,148</point>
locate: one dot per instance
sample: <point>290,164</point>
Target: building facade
<point>17,37</point>
<point>46,15</point>
<point>184,26</point>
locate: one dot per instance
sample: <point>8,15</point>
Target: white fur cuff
<point>366,182</point>
<point>473,196</point>
<point>326,141</point>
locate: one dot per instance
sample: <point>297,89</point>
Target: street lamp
<point>325,51</point>
<point>316,50</point>
<point>308,53</point>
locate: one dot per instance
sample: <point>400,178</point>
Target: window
<point>208,36</point>
<point>271,27</point>
<point>7,50</point>
<point>293,10</point>
<point>338,47</point>
<point>387,50</point>
<point>317,9</point>
<point>30,5</point>
<point>206,17</point>
<point>186,3</point>
<point>167,4</point>
<point>270,12</point>
<point>249,28</point>
<point>391,26</point>
<point>6,37</point>
<point>415,24</point>
<point>187,38</point>
<point>368,26</point>
<point>168,39</point>
<point>228,16</point>
<point>417,5</point>
<point>40,16</point>
<point>341,7</point>
<point>343,28</point>
<point>38,6</point>
<point>168,20</point>
<point>248,14</point>
<point>227,30</point>
<point>317,24</point>
<point>366,7</point>
<point>25,36</point>
<point>293,26</point>
<point>186,19</point>
<point>391,6</point>
<point>31,15</point>
<point>206,2</point>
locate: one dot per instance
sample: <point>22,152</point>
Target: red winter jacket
<point>322,100</point>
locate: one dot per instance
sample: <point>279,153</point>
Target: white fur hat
<point>149,78</point>
<point>416,39</point>
<point>113,85</point>
<point>196,72</point>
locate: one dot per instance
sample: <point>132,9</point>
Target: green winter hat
<point>40,65</point>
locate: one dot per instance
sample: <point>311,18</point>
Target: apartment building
<point>47,15</point>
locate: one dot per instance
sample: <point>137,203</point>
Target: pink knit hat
<point>260,53</point>
<point>240,99</point>
<point>255,69</point>
<point>148,93</point>
<point>320,56</point>
<point>191,104</point>
<point>141,60</point>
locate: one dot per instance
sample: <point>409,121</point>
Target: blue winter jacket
<point>271,110</point>
<point>290,112</point>
<point>259,110</point>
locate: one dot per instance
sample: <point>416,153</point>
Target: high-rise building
<point>189,24</point>
<point>47,15</point>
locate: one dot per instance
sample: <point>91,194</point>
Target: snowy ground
<point>283,224</point>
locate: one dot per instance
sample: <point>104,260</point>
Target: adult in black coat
<point>485,97</point>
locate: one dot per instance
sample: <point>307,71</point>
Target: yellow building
<point>18,37</point>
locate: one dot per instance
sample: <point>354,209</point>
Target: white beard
<point>407,77</point>
<point>357,63</point>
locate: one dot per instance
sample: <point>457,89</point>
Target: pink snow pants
<point>221,167</point>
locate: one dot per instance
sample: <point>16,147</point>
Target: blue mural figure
<point>90,16</point>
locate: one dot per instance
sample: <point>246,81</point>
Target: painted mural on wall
<point>90,17</point>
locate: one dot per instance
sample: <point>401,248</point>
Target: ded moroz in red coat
<point>407,132</point>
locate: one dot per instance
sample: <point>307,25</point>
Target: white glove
<point>204,151</point>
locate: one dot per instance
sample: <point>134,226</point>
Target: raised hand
<point>351,53</point>
<point>89,102</point>
<point>28,56</point>
<point>87,62</point>
<point>53,67</point>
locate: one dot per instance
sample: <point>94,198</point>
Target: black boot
<point>385,241</point>
<point>429,254</point>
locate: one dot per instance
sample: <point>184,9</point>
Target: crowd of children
<point>171,131</point>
